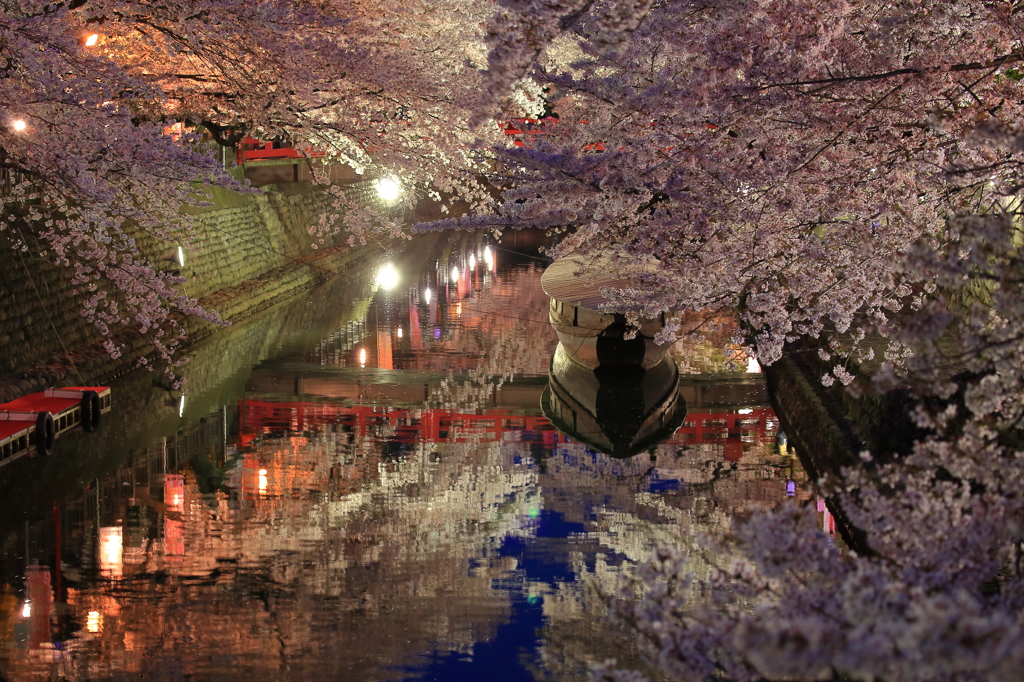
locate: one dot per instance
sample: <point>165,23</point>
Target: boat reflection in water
<point>614,390</point>
<point>620,410</point>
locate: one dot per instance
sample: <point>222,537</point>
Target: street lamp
<point>19,125</point>
<point>387,277</point>
<point>388,189</point>
<point>92,39</point>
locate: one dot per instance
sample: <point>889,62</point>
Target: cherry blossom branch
<point>1009,58</point>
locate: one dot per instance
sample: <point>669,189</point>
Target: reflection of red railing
<point>701,427</point>
<point>257,418</point>
<point>400,425</point>
<point>730,429</point>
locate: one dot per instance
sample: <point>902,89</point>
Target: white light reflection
<point>388,189</point>
<point>472,261</point>
<point>181,257</point>
<point>26,610</point>
<point>426,296</point>
<point>753,367</point>
<point>94,621</point>
<point>489,257</point>
<point>181,405</point>
<point>387,277</point>
<point>399,332</point>
<point>455,273</point>
<point>362,357</point>
<point>263,480</point>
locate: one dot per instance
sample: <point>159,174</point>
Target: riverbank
<point>830,426</point>
<point>249,253</point>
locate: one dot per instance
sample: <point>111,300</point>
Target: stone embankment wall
<point>248,253</point>
<point>818,428</point>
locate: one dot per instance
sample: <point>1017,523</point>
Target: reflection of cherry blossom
<point>504,325</point>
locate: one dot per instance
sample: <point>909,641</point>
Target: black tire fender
<point>46,434</point>
<point>90,411</point>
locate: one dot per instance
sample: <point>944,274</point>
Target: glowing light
<point>489,257</point>
<point>181,257</point>
<point>263,480</point>
<point>26,610</point>
<point>94,621</point>
<point>111,551</point>
<point>19,125</point>
<point>387,277</point>
<point>362,357</point>
<point>388,189</point>
<point>745,410</point>
<point>399,332</point>
<point>426,296</point>
<point>174,492</point>
<point>455,272</point>
<point>472,261</point>
<point>91,42</point>
<point>458,308</point>
<point>753,367</point>
<point>181,405</point>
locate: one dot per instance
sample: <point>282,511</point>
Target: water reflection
<point>362,486</point>
<point>619,410</point>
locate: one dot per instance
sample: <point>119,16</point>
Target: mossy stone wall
<point>247,253</point>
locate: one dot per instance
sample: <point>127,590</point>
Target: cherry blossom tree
<point>778,155</point>
<point>827,168</point>
<point>89,89</point>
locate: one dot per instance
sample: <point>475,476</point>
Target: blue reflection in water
<point>513,653</point>
<point>661,485</point>
<point>543,558</point>
<point>507,657</point>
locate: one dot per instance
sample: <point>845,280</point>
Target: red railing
<point>252,149</point>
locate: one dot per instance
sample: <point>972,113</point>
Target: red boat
<point>33,422</point>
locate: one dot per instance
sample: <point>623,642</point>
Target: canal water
<point>363,485</point>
